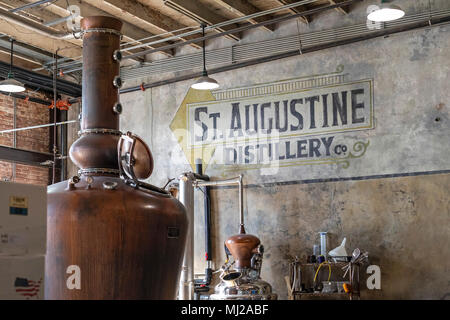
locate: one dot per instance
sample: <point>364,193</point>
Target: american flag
<point>27,288</point>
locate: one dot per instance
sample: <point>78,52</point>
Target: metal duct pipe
<point>189,181</point>
<point>29,5</point>
<point>295,52</point>
<point>186,284</point>
<point>208,247</point>
<point>57,21</point>
<point>14,137</point>
<point>237,53</point>
<point>264,48</point>
<point>36,27</point>
<point>47,65</point>
<point>243,28</point>
<point>229,22</point>
<point>38,126</point>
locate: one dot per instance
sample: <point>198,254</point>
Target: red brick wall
<point>28,114</point>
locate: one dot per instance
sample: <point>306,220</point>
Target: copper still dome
<point>125,237</point>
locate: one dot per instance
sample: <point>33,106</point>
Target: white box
<point>23,219</point>
<point>22,278</point>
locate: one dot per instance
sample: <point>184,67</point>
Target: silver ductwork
<point>34,26</point>
<point>186,197</point>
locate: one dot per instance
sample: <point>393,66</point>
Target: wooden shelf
<point>309,269</point>
<point>333,264</point>
<point>321,294</point>
<point>331,295</point>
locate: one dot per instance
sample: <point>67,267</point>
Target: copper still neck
<point>242,247</point>
<point>95,152</point>
<point>101,38</point>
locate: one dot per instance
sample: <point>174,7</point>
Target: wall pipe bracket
<point>232,181</point>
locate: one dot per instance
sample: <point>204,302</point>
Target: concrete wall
<point>402,221</point>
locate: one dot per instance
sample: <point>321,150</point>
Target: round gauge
<point>89,180</point>
<point>253,274</point>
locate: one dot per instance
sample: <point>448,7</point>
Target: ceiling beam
<point>304,19</point>
<point>35,14</point>
<point>243,8</point>
<point>339,9</point>
<point>247,26</point>
<point>45,43</point>
<point>26,51</point>
<point>32,158</point>
<point>19,60</point>
<point>34,47</point>
<point>129,31</point>
<point>200,13</point>
<point>9,4</point>
<point>142,16</point>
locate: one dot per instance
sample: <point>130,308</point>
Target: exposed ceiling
<point>144,21</point>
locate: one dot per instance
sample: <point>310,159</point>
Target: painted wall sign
<point>330,109</point>
<point>289,123</point>
<point>284,129</point>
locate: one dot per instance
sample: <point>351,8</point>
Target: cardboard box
<point>23,219</point>
<point>22,278</point>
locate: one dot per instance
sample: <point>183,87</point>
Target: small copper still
<point>125,238</point>
<point>241,278</point>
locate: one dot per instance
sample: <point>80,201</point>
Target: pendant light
<point>204,82</point>
<point>10,84</point>
<point>386,12</point>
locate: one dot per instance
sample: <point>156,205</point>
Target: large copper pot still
<point>109,235</point>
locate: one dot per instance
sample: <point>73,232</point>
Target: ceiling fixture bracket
<point>10,84</point>
<point>204,82</point>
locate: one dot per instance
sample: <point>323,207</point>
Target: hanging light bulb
<point>386,12</point>
<point>205,82</point>
<point>10,84</point>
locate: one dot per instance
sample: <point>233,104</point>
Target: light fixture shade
<point>205,83</point>
<point>11,85</point>
<point>386,12</point>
